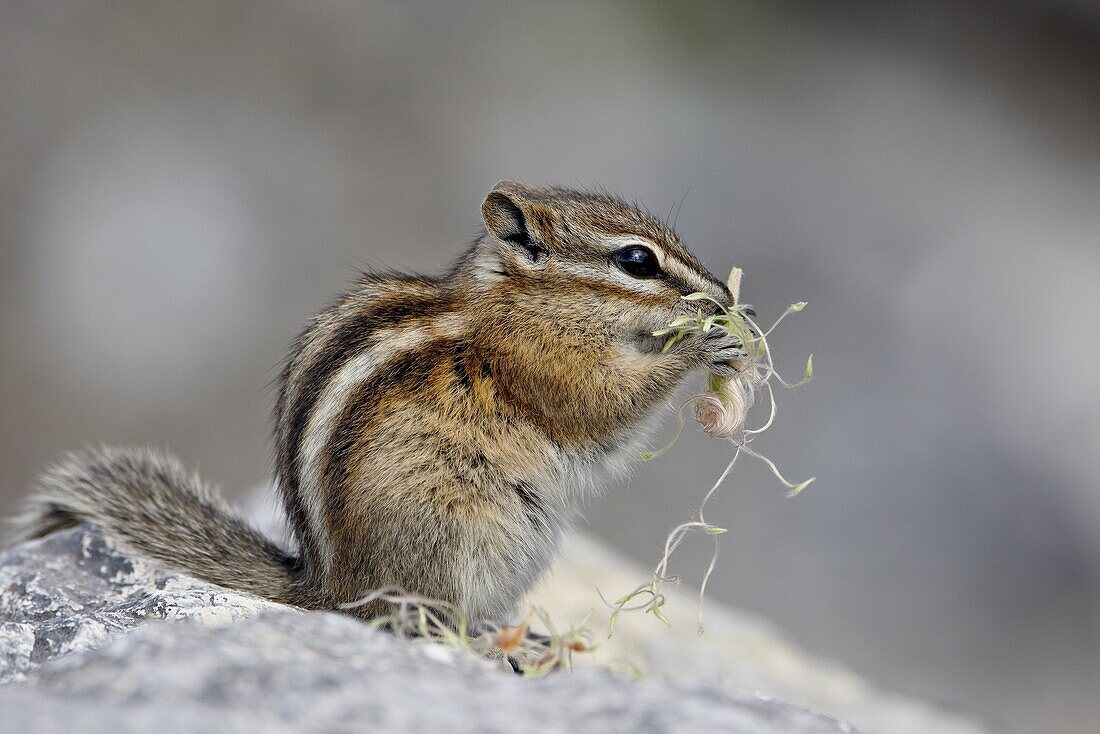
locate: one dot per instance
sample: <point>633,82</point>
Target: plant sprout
<point>721,411</point>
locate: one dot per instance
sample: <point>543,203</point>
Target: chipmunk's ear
<point>514,218</point>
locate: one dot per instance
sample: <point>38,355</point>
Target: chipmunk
<point>436,434</point>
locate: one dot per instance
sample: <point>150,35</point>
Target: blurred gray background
<point>183,184</point>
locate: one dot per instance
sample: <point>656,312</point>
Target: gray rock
<point>92,641</point>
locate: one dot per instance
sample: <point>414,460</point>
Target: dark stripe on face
<point>610,288</point>
<point>680,285</point>
<point>693,265</point>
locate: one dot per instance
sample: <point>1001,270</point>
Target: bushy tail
<point>151,506</point>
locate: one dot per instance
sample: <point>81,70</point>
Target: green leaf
<point>614,621</point>
<point>795,490</point>
<point>659,614</point>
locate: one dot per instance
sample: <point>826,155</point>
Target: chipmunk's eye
<point>638,261</point>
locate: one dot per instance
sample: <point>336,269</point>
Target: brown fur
<point>438,433</point>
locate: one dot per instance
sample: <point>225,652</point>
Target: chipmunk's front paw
<point>718,351</point>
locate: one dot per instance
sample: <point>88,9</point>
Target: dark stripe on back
<point>350,337</point>
<point>288,483</point>
<point>404,375</point>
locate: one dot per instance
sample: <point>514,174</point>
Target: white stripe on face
<point>696,280</point>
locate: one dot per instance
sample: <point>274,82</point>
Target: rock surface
<point>92,641</point>
<point>739,651</point>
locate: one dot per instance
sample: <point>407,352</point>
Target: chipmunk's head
<point>588,256</point>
